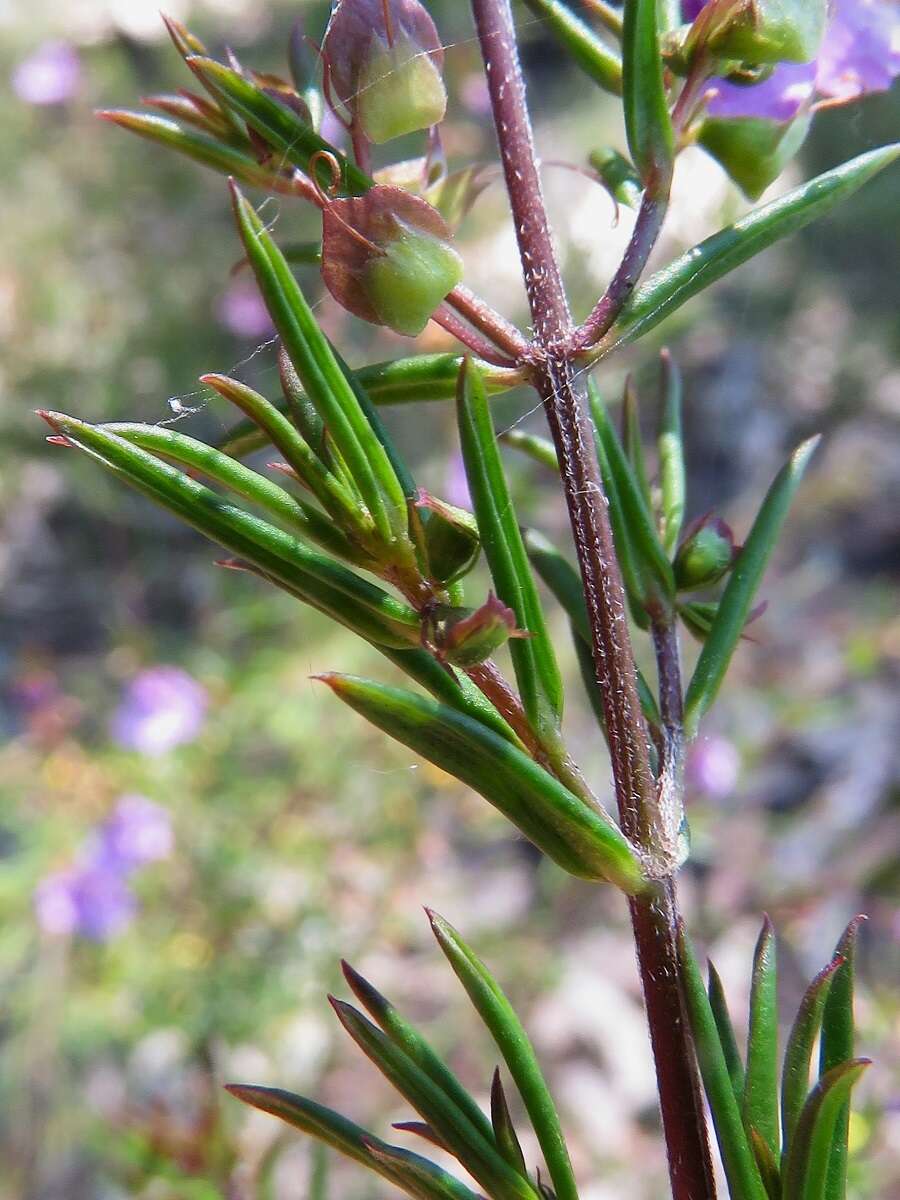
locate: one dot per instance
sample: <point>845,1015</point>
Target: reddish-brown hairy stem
<point>470,338</point>
<point>654,916</point>
<point>478,312</point>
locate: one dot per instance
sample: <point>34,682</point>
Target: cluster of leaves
<point>352,535</point>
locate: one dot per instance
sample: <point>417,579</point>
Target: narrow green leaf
<point>573,835</point>
<point>836,1047</point>
<point>198,146</point>
<point>743,582</point>
<point>759,1104</point>
<point>197,456</point>
<point>647,121</point>
<point>422,1178</point>
<point>518,1053</point>
<point>719,1006</point>
<point>188,44</point>
<point>322,377</point>
<point>301,410</point>
<point>277,124</point>
<point>537,448</point>
<point>333,493</point>
<point>504,1130</point>
<point>817,1132</point>
<point>537,672</point>
<point>564,582</point>
<point>396,1165</point>
<point>415,1047</point>
<point>477,1154</point>
<point>633,441</point>
<point>695,270</point>
<point>672,472</point>
<point>588,51</point>
<point>403,381</point>
<point>768,1165</point>
<point>744,1181</point>
<point>798,1054</point>
<point>278,556</point>
<point>318,1180</point>
<point>642,555</point>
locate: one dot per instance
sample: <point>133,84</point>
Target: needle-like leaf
<point>588,51</point>
<point>414,1046</point>
<point>504,1130</point>
<point>647,121</point>
<point>537,672</point>
<point>672,473</point>
<point>759,1103</point>
<point>798,1054</point>
<point>818,1132</point>
<point>719,1006</point>
<point>477,1154</point>
<point>508,1032</point>
<point>737,599</point>
<point>696,269</point>
<point>741,1170</point>
<point>564,827</point>
<point>322,377</point>
<point>836,1047</point>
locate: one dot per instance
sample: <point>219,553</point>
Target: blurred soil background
<point>271,832</point>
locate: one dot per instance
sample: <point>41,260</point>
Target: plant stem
<point>479,313</point>
<point>654,915</point>
<point>444,316</point>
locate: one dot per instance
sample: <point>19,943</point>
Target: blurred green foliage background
<point>300,834</point>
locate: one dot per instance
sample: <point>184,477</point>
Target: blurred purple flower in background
<point>137,832</point>
<point>713,767</point>
<point>456,485</point>
<point>93,898</point>
<point>860,53</point>
<point>241,310</point>
<point>163,707</point>
<point>51,75</point>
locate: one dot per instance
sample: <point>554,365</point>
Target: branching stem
<point>654,916</point>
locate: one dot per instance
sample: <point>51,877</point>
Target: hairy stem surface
<point>654,916</point>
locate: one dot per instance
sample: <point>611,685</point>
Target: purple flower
<point>93,900</point>
<point>163,707</point>
<point>713,766</point>
<point>51,75</point>
<point>241,310</point>
<point>456,485</point>
<point>135,833</point>
<point>860,53</point>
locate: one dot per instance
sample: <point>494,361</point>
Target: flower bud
<point>760,31</point>
<point>465,637</point>
<point>383,61</point>
<point>753,150</point>
<point>387,257</point>
<point>705,555</point>
<point>448,537</point>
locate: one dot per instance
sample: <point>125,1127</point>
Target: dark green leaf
<point>633,442</point>
<point>759,1104</point>
<point>537,672</point>
<point>767,1163</point>
<point>276,555</point>
<point>277,124</point>
<point>645,567</point>
<point>647,121</point>
<point>719,1006</point>
<point>590,53</point>
<point>744,1180</point>
<point>745,578</point>
<point>504,1130</point>
<point>414,1046</point>
<point>565,583</point>
<point>672,474</point>
<point>575,836</point>
<point>836,1047</point>
<point>695,270</point>
<point>197,456</point>
<point>322,377</point>
<point>421,1178</point>
<point>404,381</point>
<point>798,1054</point>
<point>477,1154</point>
<point>507,1031</point>
<point>818,1133</point>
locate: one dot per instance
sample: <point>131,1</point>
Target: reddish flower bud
<point>386,257</point>
<point>384,60</point>
<point>465,637</point>
<point>705,555</point>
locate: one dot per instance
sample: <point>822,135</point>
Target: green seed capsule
<point>705,555</point>
<point>400,90</point>
<point>407,282</point>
